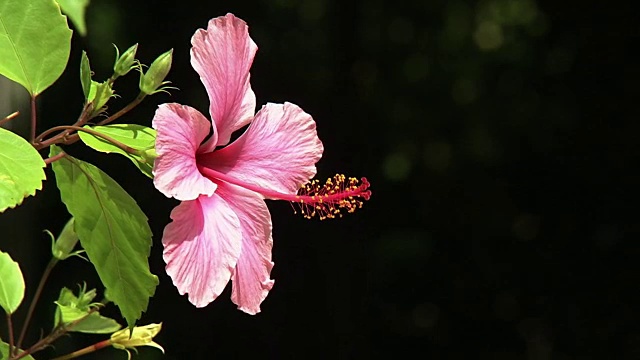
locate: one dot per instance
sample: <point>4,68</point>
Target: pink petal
<point>181,129</point>
<point>277,152</point>
<point>222,56</point>
<point>251,279</point>
<point>201,247</point>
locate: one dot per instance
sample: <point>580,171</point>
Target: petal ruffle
<point>181,129</point>
<point>201,247</point>
<point>251,279</point>
<point>277,152</point>
<point>222,55</point>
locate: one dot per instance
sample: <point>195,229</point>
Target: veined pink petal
<point>181,129</point>
<point>201,247</point>
<point>277,152</point>
<point>251,279</point>
<point>222,55</point>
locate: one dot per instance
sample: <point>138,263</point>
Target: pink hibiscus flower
<point>221,230</point>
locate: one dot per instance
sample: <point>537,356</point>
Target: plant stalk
<point>9,117</point>
<point>34,301</point>
<point>89,349</point>
<point>34,121</point>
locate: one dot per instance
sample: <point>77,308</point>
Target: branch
<point>36,296</point>
<point>111,140</point>
<point>34,121</point>
<point>9,117</point>
<point>53,336</point>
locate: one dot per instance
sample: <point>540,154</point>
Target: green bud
<point>126,339</point>
<point>149,155</point>
<point>65,242</point>
<point>153,79</point>
<point>126,62</point>
<point>85,75</point>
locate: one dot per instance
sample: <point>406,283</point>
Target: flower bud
<point>65,242</point>
<point>126,62</point>
<point>149,155</point>
<point>140,336</point>
<point>151,81</point>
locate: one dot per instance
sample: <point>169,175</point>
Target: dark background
<point>501,141</point>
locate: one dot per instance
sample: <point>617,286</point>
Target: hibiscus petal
<point>201,247</point>
<point>222,55</point>
<point>251,279</point>
<point>181,129</point>
<point>277,152</point>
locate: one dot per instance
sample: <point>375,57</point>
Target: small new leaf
<point>71,308</point>
<point>21,169</point>
<point>99,95</point>
<point>136,136</point>
<point>113,231</point>
<point>11,284</point>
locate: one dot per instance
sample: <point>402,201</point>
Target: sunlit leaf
<point>35,41</point>
<point>4,352</point>
<point>99,94</point>
<point>136,136</point>
<point>11,283</point>
<point>92,324</point>
<point>112,230</point>
<point>75,10</point>
<point>67,298</point>
<point>21,169</point>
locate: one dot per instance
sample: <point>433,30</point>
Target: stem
<point>55,158</point>
<point>84,117</point>
<point>67,137</point>
<point>124,110</point>
<point>33,118</point>
<point>111,140</point>
<point>9,117</point>
<point>10,327</point>
<point>89,349</point>
<point>34,301</point>
<point>55,334</point>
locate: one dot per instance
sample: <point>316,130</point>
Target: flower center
<point>327,201</point>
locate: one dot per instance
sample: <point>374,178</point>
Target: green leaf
<point>85,75</point>
<point>71,308</point>
<point>35,41</point>
<point>92,324</point>
<point>21,169</point>
<point>112,230</point>
<point>11,283</point>
<point>75,10</point>
<point>136,136</point>
<point>4,352</point>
